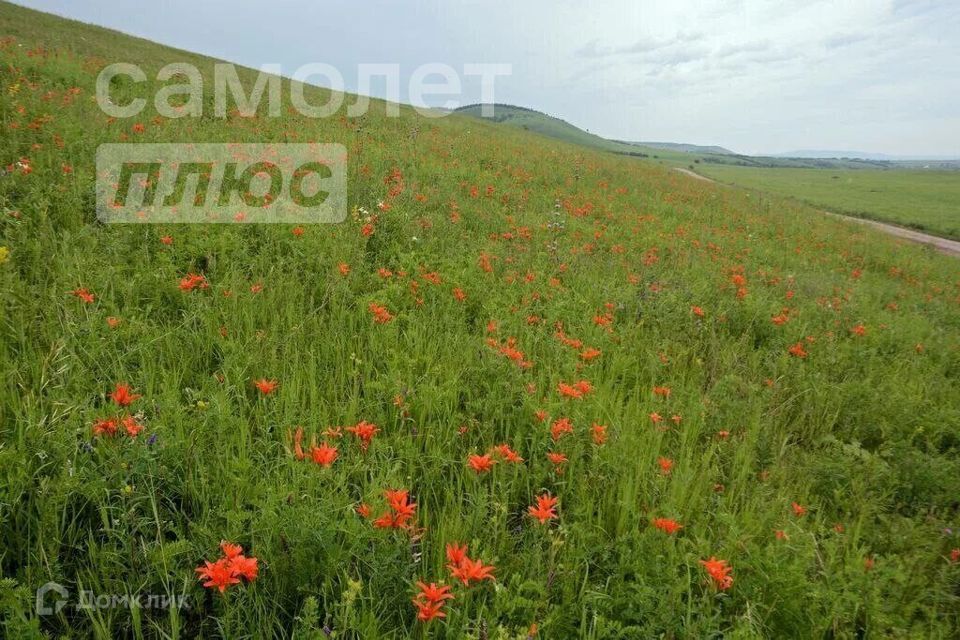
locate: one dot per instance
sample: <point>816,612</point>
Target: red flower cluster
<point>576,390</point>
<point>464,569</point>
<point>430,601</point>
<point>381,315</point>
<point>401,510</point>
<point>432,597</point>
<point>485,462</point>
<point>84,295</point>
<point>229,569</point>
<point>122,396</point>
<point>193,281</point>
<point>509,350</point>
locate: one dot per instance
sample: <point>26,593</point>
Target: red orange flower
<point>193,281</point>
<point>266,387</point>
<point>569,391</point>
<point>401,510</point>
<point>107,427</point>
<point>244,567</point>
<point>481,464</point>
<point>217,574</point>
<point>666,465</point>
<point>667,525</point>
<point>560,427</point>
<point>131,426</point>
<point>599,434</point>
<point>798,351</point>
<point>545,509</point>
<point>324,455</point>
<point>508,454</point>
<point>472,571</point>
<point>589,354</point>
<point>456,553</point>
<point>719,571</point>
<point>84,295</point>
<point>364,431</point>
<point>122,396</point>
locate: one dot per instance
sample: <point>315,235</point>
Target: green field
<point>921,199</point>
<point>748,415</point>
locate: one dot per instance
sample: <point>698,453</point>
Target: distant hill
<point>838,155</point>
<point>686,154</point>
<point>862,155</point>
<point>552,127</point>
<point>686,148</point>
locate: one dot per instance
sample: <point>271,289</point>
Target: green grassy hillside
<point>639,404</point>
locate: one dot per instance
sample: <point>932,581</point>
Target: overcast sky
<point>751,75</point>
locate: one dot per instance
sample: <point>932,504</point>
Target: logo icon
<point>59,602</point>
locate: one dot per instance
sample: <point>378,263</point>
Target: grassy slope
<point>862,431</point>
<point>928,200</point>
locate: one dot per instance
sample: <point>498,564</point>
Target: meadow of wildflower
<point>526,389</point>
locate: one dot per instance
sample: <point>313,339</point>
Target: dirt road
<point>949,247</point>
